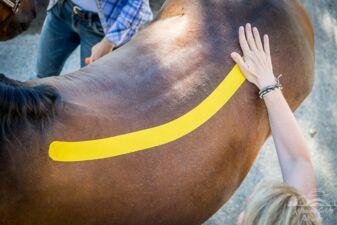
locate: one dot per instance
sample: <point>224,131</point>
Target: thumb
<point>239,60</point>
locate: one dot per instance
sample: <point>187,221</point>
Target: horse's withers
<point>168,69</point>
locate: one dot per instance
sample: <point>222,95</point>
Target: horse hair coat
<point>165,71</point>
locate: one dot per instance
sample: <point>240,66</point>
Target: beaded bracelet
<point>271,88</point>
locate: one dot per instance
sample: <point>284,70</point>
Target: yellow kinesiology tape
<point>154,136</point>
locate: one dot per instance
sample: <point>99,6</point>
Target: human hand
<point>256,65</point>
<point>101,49</point>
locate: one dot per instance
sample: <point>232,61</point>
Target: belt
<point>82,13</point>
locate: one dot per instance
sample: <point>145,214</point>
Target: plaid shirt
<point>121,19</point>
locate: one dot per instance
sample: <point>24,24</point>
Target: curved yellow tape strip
<point>152,137</point>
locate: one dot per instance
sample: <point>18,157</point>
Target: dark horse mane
<point>22,106</point>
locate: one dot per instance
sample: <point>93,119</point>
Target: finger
<point>267,48</point>
<point>93,58</point>
<point>250,37</point>
<point>239,60</point>
<point>257,39</point>
<point>266,45</point>
<point>93,55</point>
<point>243,41</point>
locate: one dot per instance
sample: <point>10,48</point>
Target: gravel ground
<point>317,116</point>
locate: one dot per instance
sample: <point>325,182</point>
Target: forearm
<point>292,149</point>
<point>286,132</point>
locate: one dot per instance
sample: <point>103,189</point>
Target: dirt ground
<point>317,115</point>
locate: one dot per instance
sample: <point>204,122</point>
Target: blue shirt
<point>121,19</point>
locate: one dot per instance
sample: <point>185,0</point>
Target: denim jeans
<point>63,30</point>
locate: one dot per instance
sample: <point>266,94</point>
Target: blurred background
<point>317,115</point>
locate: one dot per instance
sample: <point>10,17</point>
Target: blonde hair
<point>277,204</point>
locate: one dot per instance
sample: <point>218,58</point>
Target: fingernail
<point>255,29</point>
<point>248,24</point>
<point>87,60</point>
<point>241,28</point>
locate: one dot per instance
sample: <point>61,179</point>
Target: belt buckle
<point>77,10</point>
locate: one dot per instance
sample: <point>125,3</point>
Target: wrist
<point>271,80</point>
<point>273,96</point>
<point>272,87</point>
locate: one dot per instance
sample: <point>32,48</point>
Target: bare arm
<point>292,149</point>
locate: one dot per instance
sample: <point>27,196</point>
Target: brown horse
<point>14,21</point>
<point>167,70</point>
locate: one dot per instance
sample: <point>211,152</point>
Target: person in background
<point>276,203</point>
<point>98,26</point>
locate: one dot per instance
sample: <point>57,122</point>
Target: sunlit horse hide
<point>15,17</point>
<point>165,71</point>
